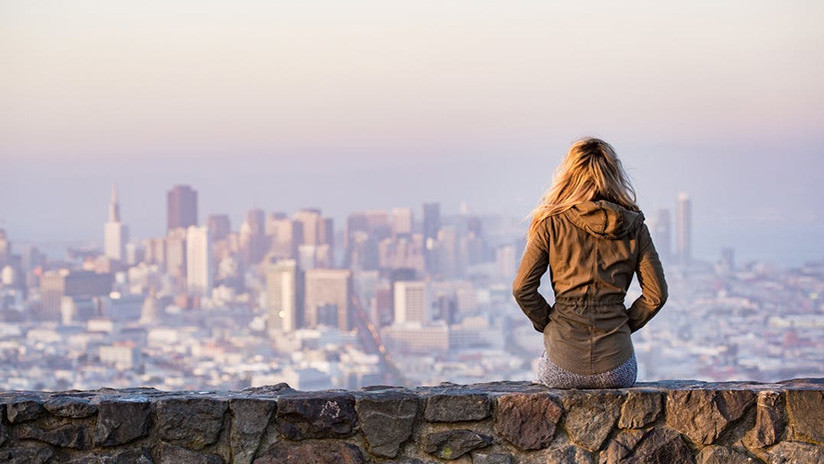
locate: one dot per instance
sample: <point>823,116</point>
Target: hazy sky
<point>373,104</point>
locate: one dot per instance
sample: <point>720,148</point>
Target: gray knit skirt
<point>553,376</point>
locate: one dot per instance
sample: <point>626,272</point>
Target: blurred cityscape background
<point>214,194</point>
<point>404,296</point>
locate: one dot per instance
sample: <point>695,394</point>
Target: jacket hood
<point>605,219</point>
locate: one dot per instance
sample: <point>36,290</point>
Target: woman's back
<point>590,234</point>
<point>592,251</point>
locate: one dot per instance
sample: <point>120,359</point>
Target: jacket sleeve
<point>525,287</point>
<point>653,285</point>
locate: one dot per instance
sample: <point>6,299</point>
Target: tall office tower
<point>176,255</point>
<point>219,226</point>
<point>684,228</point>
<point>431,220</point>
<point>328,298</point>
<point>54,285</point>
<point>411,304</point>
<point>284,236</point>
<point>284,297</point>
<point>356,223</point>
<point>326,237</point>
<point>310,219</point>
<point>155,251</point>
<point>662,234</point>
<point>445,256</point>
<point>198,261</point>
<point>431,225</point>
<point>401,221</point>
<point>181,207</point>
<point>252,237</point>
<point>115,233</point>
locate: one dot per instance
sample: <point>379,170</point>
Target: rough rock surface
<point>590,418</point>
<point>456,407</point>
<point>317,415</point>
<point>806,410</point>
<point>491,423</point>
<point>65,436</point>
<point>70,406</point>
<point>250,417</point>
<point>120,421</point>
<point>172,454</point>
<point>769,420</point>
<point>387,420</point>
<point>703,415</point>
<point>789,452</point>
<point>320,453</point>
<point>640,408</point>
<point>723,455</point>
<point>527,421</point>
<point>452,444</point>
<point>23,409</point>
<point>193,422</point>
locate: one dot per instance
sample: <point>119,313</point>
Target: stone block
<point>457,407</point>
<point>387,420</point>
<point>452,444</point>
<point>70,406</point>
<point>121,420</point>
<point>480,457</point>
<point>660,446</point>
<point>528,421</point>
<point>323,452</point>
<point>806,411</point>
<point>640,408</point>
<point>171,454</point>
<point>23,409</point>
<point>65,436</point>
<point>250,416</point>
<point>723,455</point>
<point>769,420</point>
<point>789,452</point>
<point>26,455</point>
<point>703,415</point>
<point>329,414</point>
<point>193,422</point>
<point>591,416</point>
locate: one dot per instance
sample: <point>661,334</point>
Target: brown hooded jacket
<point>592,251</point>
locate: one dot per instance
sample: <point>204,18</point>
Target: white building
<point>282,295</point>
<point>198,261</point>
<point>115,233</point>
<point>411,303</point>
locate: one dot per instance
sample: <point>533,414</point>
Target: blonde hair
<point>590,171</point>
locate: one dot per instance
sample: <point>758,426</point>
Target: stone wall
<point>491,423</point>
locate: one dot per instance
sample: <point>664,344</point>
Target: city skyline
<point>294,104</point>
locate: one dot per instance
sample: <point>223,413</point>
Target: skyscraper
<point>253,242</point>
<point>115,233</point>
<point>684,228</point>
<point>181,207</point>
<point>662,234</point>
<point>310,218</point>
<point>219,226</point>
<point>198,261</point>
<point>431,225</point>
<point>401,221</point>
<point>328,294</point>
<point>431,220</point>
<point>284,291</point>
<point>411,303</point>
